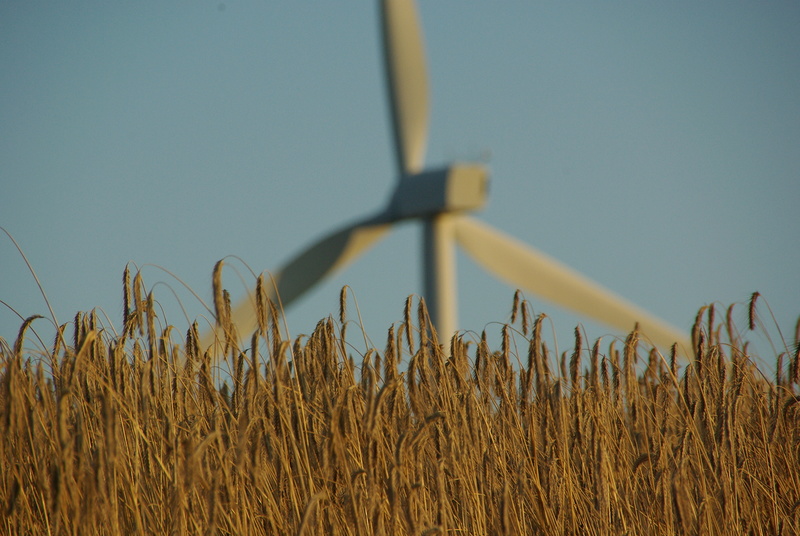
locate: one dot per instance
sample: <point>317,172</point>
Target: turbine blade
<point>407,82</point>
<point>328,255</point>
<point>521,265</point>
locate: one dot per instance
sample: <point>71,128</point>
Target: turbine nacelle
<point>456,188</point>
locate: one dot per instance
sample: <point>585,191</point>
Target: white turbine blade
<point>327,256</point>
<point>407,82</point>
<point>523,266</point>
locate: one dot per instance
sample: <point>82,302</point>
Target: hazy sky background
<point>653,146</point>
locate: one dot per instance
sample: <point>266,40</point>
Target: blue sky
<point>652,146</point>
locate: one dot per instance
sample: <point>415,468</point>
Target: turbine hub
<point>456,188</point>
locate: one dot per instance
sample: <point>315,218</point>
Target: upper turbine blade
<point>534,271</point>
<point>407,82</point>
<point>327,256</point>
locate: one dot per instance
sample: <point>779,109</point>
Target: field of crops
<point>142,432</point>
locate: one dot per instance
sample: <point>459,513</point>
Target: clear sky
<point>653,146</point>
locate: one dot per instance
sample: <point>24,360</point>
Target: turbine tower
<point>441,199</point>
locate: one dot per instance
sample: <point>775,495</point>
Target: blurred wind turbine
<point>440,198</point>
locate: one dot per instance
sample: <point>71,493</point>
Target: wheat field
<point>139,432</point>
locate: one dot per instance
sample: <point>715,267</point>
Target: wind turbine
<point>441,198</point>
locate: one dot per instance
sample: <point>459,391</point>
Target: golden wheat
<point>137,433</point>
